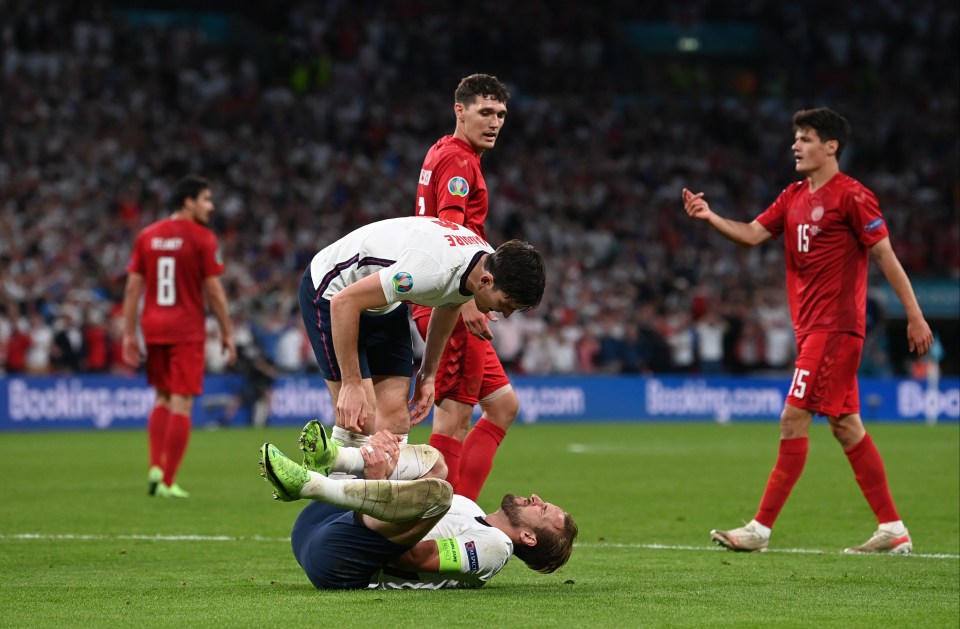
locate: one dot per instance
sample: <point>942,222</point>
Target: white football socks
<point>387,500</point>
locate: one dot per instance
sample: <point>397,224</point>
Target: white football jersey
<point>420,260</point>
<point>483,551</point>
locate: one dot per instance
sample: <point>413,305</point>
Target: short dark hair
<point>480,85</point>
<point>552,549</point>
<point>189,187</point>
<point>828,124</point>
<point>518,271</point>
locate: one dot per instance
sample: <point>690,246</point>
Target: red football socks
<point>872,478</point>
<point>450,448</point>
<point>479,448</point>
<point>790,462</point>
<point>178,434</point>
<point>156,433</point>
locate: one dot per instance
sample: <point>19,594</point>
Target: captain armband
<point>449,554</point>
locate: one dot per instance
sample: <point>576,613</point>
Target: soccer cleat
<point>287,476</point>
<point>319,453</point>
<point>884,541</point>
<point>154,477</point>
<point>172,491</point>
<point>745,539</point>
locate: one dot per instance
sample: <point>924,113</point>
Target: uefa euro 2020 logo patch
<point>458,186</point>
<point>402,282</point>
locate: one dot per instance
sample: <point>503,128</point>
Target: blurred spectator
<point>710,330</point>
<point>100,114</point>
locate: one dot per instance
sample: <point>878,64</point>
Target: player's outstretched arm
<point>744,234</point>
<point>919,335</point>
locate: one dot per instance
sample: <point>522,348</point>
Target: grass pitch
<point>81,544</point>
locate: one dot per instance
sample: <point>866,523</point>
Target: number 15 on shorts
<point>798,387</point>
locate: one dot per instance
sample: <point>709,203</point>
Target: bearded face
<point>510,505</point>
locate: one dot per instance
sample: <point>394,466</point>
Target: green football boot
<point>287,476</point>
<point>173,491</point>
<point>319,453</point>
<point>154,478</point>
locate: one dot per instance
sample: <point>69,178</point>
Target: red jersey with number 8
<point>827,235</point>
<point>174,257</point>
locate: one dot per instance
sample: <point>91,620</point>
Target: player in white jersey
<point>353,299</point>
<point>404,534</point>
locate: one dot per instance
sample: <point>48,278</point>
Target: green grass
<point>629,486</point>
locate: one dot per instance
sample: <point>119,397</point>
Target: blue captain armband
<point>449,554</point>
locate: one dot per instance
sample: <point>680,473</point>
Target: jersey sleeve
<point>477,552</point>
<point>772,217</point>
<point>211,258</point>
<point>863,212</point>
<point>452,182</point>
<point>136,264</point>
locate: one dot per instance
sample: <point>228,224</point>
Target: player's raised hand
<point>695,205</point>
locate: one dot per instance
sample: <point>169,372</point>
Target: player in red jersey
<point>830,224</point>
<point>174,265</point>
<point>452,187</point>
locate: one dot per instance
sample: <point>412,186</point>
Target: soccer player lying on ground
<point>407,533</point>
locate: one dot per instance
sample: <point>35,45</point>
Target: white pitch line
<point>796,551</point>
<point>258,538</point>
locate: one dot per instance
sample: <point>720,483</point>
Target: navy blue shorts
<point>384,347</point>
<point>336,551</point>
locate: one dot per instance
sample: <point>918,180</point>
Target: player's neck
<point>182,215</point>
<point>463,138</point>
<point>819,177</point>
<point>473,277</point>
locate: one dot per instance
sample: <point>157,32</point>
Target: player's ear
<point>528,537</point>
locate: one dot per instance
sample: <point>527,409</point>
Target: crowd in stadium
<point>317,121</point>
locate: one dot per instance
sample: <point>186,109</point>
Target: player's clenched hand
<point>695,205</point>
<point>378,464</point>
<point>919,336</point>
<point>388,442</point>
<point>229,347</point>
<point>424,393</point>
<point>352,407</point>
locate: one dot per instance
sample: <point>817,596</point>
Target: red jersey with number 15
<point>451,178</point>
<point>174,256</point>
<point>827,235</point>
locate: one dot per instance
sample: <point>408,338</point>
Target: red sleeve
<point>772,217</point>
<point>453,180</point>
<point>212,260</point>
<point>863,211</point>
<point>136,257</point>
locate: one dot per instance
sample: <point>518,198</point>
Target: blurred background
<point>313,118</point>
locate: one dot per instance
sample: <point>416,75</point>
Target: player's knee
<point>434,463</point>
<point>439,498</point>
<point>501,409</point>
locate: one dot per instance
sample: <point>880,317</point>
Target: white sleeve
<point>478,552</point>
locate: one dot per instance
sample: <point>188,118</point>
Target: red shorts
<point>469,369</point>
<point>176,368</point>
<point>825,380</point>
